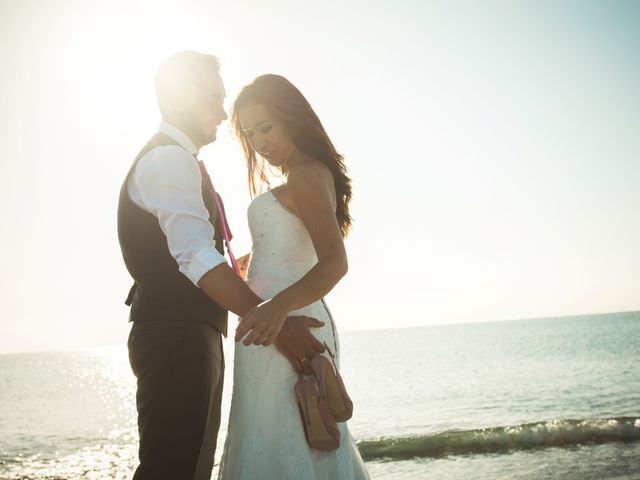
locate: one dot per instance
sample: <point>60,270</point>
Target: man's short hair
<point>180,78</point>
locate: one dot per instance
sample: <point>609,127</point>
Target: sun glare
<point>109,74</point>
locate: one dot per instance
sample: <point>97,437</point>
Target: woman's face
<point>266,135</point>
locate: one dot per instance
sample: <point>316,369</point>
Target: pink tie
<point>226,233</point>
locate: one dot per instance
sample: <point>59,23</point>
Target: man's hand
<point>296,342</point>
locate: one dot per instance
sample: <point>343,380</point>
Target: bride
<point>297,257</point>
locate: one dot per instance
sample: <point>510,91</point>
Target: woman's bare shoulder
<point>312,184</point>
<point>312,173</point>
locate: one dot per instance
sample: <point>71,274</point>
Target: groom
<point>170,236</point>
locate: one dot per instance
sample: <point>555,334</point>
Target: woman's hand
<point>243,265</point>
<point>262,324</point>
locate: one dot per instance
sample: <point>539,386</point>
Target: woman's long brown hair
<point>286,103</point>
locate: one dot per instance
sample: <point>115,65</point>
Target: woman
<point>298,256</point>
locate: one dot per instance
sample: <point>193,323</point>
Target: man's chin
<point>209,137</point>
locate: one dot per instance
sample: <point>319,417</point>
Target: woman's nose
<point>258,142</point>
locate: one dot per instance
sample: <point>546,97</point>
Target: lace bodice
<point>282,251</point>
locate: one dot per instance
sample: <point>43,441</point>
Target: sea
<point>554,398</point>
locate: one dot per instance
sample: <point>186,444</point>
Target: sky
<point>493,146</point>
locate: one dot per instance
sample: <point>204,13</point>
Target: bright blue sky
<point>493,145</point>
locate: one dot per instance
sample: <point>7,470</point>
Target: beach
<point>546,398</point>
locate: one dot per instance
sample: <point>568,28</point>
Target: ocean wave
<point>552,433</point>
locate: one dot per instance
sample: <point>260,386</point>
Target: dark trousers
<point>179,368</point>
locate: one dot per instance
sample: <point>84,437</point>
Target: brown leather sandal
<point>332,387</point>
<point>320,427</point>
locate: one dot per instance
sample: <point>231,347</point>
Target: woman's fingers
<point>258,327</point>
<point>267,337</point>
<point>244,326</point>
<point>261,337</point>
<point>253,336</point>
<point>269,340</point>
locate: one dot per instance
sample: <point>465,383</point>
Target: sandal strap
<point>332,355</point>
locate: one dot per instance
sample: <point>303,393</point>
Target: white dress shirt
<point>167,183</point>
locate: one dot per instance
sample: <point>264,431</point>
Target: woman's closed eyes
<point>264,129</point>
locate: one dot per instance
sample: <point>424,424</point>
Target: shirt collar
<point>179,136</point>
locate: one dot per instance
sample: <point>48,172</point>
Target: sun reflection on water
<point>76,409</point>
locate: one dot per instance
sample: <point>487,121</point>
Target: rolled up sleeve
<point>203,261</point>
<point>169,186</point>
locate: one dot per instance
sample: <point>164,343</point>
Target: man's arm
<point>228,290</point>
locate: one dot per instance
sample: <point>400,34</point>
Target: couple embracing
<point>289,405</point>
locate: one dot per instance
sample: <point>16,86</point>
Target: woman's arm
<point>312,194</point>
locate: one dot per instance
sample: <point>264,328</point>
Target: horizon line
<point>406,327</point>
<point>549,317</point>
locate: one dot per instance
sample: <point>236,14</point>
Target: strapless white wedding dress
<point>265,439</point>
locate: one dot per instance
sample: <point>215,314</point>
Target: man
<point>170,235</point>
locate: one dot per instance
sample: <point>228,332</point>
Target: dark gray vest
<point>161,292</point>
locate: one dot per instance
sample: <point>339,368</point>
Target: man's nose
<point>223,114</point>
